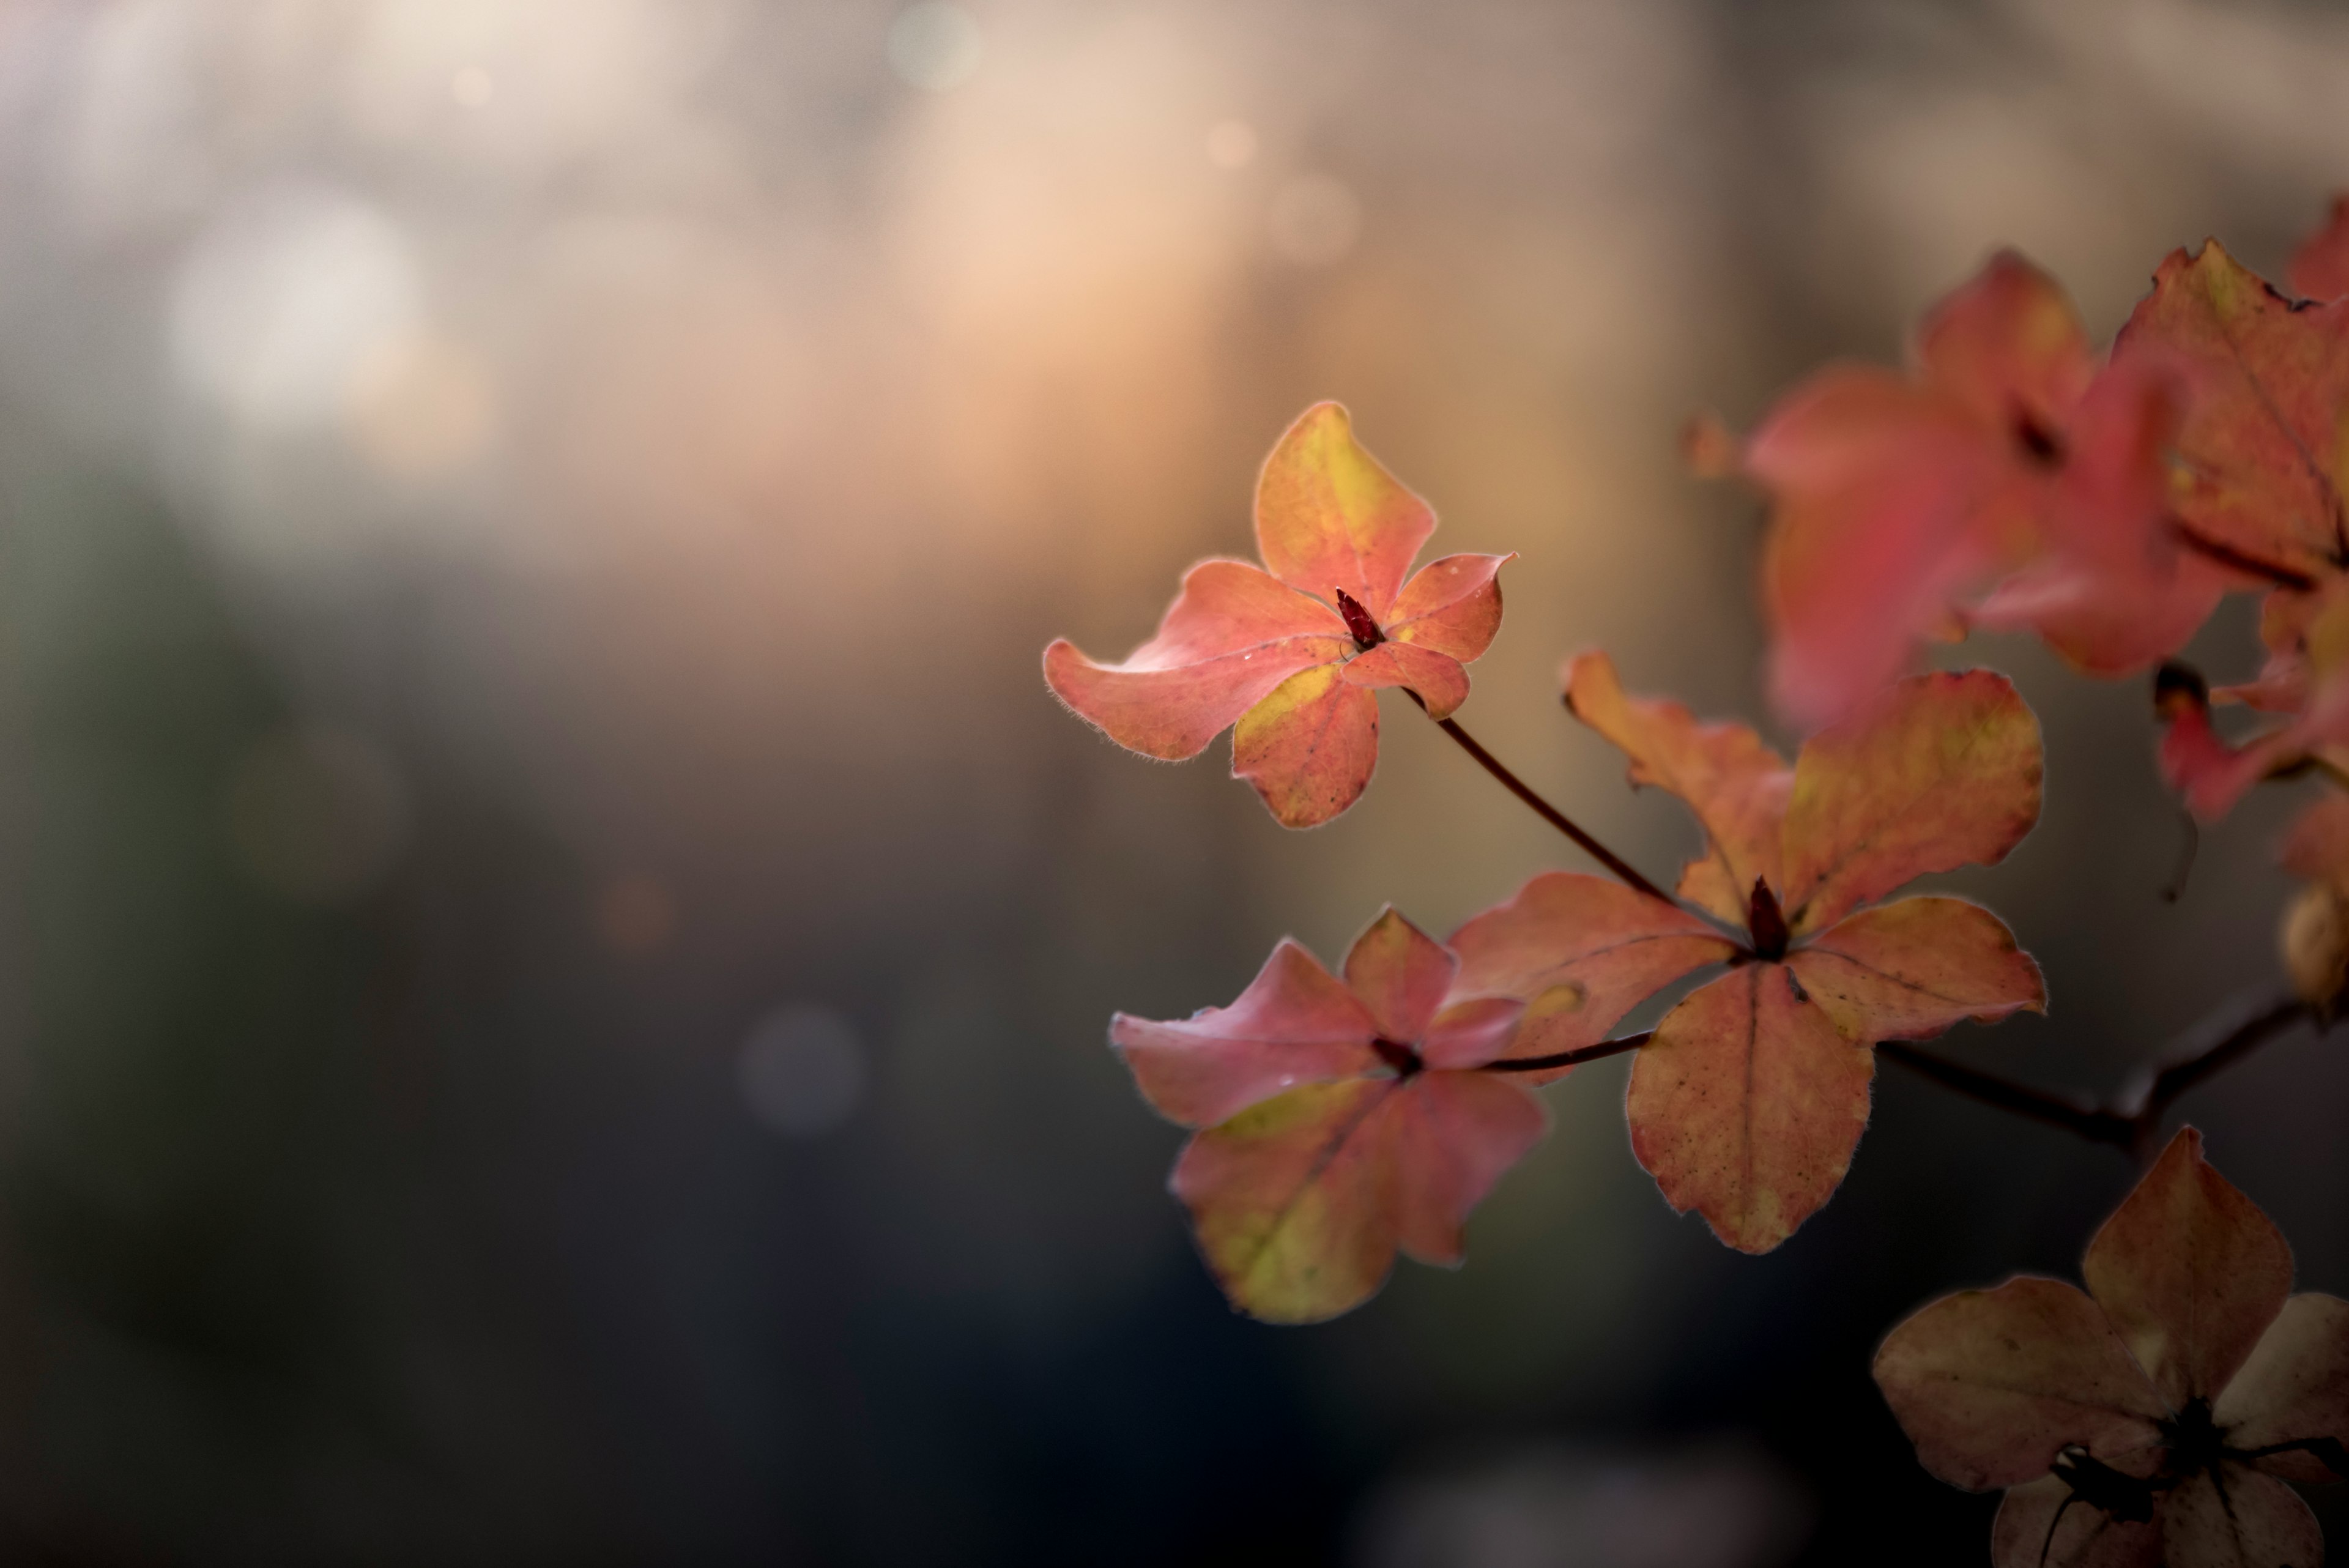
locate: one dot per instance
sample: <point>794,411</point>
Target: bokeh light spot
<point>1314,221</point>
<point>802,1069</point>
<point>935,44</point>
<point>281,298</point>
<point>316,816</point>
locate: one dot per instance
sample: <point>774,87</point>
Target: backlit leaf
<point>1295,1023</point>
<point>1289,659</point>
<point>1231,636</point>
<point>1350,1118</point>
<point>1330,516</point>
<point>1308,747</point>
<point>1736,785</point>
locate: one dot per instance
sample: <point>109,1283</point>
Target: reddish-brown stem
<point>2132,1120</point>
<point>1623,869</point>
<point>1615,1047</point>
<point>2236,560</point>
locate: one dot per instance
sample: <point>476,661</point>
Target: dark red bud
<point>1766,923</point>
<point>2040,443</point>
<point>1367,635</point>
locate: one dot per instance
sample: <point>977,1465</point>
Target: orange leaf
<point>1748,1099</point>
<point>2262,440</point>
<point>1736,785</point>
<point>1748,1103</point>
<point>1581,951</point>
<point>1436,677</point>
<point>1451,605</point>
<point>1286,1200</point>
<point>1910,969</point>
<point>2190,1273</point>
<point>1944,774</point>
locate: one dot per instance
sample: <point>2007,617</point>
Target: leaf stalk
<point>1623,869</point>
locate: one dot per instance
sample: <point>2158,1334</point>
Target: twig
<point>1575,1058</point>
<point>2132,1119</point>
<point>1547,812</point>
<point>2066,1111</point>
<point>2251,566</point>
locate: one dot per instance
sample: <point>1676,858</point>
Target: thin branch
<point>1547,812</point>
<point>1614,1047</point>
<point>2251,566</point>
<point>2132,1119</point>
<point>2223,1040</point>
<point>2066,1111</point>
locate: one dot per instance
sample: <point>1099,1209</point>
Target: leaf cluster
<point>2010,475</point>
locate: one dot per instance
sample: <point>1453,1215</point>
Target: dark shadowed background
<point>554,950</point>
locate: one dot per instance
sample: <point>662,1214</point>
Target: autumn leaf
<point>1288,657</point>
<point>2145,1421</point>
<point>1342,1118</point>
<point>1748,1100</point>
<point>2005,461</point>
<point>2259,450</point>
<point>2258,483</point>
<point>1581,951</point>
<point>2210,772</point>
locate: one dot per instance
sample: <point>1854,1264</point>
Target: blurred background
<point>554,949</point>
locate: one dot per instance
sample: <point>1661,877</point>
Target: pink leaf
<point>1436,677</point>
<point>1296,1022</point>
<point>1231,636</point>
<point>1451,605</point>
<point>1400,974</point>
<point>1450,1137</point>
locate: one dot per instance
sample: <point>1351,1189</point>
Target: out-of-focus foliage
<point>2143,1422</point>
